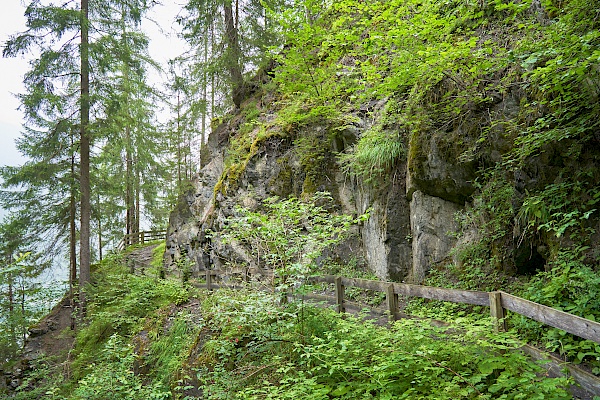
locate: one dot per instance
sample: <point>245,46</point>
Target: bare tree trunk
<point>233,49</point>
<point>204,96</point>
<point>136,225</point>
<point>11,302</point>
<point>129,188</point>
<point>179,136</point>
<point>84,235</point>
<point>99,231</point>
<point>24,329</point>
<point>212,75</point>
<point>72,243</point>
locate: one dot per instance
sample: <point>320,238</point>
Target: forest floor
<point>53,335</point>
<point>53,338</point>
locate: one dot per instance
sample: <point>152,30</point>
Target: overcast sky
<point>164,45</point>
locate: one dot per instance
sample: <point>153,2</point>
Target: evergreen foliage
<point>229,39</point>
<point>444,70</point>
<point>53,188</point>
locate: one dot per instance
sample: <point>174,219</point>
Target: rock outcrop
<point>412,226</point>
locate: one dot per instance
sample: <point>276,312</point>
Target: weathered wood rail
<point>140,238</point>
<point>498,302</point>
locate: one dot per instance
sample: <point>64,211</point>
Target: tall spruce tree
<point>231,38</point>
<point>63,90</point>
<point>186,131</point>
<point>131,145</point>
<point>44,189</point>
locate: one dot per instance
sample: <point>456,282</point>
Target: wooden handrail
<point>140,238</point>
<point>578,326</point>
<point>498,301</point>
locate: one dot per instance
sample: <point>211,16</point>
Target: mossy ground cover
<point>148,338</point>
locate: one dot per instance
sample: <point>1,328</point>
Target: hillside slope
<point>469,128</point>
<point>147,338</point>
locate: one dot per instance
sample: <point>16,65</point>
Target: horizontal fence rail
<point>140,238</point>
<point>578,326</point>
<point>498,302</point>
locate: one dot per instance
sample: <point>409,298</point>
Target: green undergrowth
<point>157,255</point>
<point>569,285</point>
<point>127,318</point>
<point>154,339</point>
<point>354,268</point>
<point>260,350</point>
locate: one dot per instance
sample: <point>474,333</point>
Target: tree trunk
<point>204,98</point>
<point>179,136</point>
<point>136,225</point>
<point>129,203</point>
<point>84,235</point>
<point>99,230</point>
<point>72,242</point>
<point>233,49</point>
<point>11,305</point>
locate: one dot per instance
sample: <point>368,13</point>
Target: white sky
<point>163,46</point>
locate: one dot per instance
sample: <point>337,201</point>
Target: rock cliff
<point>413,225</point>
<point>491,173</point>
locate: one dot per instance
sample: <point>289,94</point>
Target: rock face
<point>394,242</point>
<point>431,222</point>
<point>412,209</point>
<point>410,213</point>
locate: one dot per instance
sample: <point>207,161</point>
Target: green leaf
<point>488,366</point>
<point>340,391</point>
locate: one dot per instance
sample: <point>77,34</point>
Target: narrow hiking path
<point>52,338</point>
<point>140,259</point>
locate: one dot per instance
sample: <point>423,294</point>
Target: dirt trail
<point>139,260</point>
<point>52,337</point>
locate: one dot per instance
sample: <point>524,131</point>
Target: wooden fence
<point>498,302</point>
<point>140,238</point>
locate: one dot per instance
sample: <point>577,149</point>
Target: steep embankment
<point>470,130</point>
<point>147,338</point>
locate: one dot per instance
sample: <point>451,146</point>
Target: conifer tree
<point>63,89</point>
<point>229,36</point>
<point>131,146</point>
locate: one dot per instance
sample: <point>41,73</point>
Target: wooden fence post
<point>208,279</point>
<point>497,312</point>
<point>392,302</point>
<point>339,294</point>
<point>143,236</point>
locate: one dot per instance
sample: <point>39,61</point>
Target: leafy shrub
<point>118,303</point>
<point>305,352</point>
<point>112,376</point>
<point>170,348</point>
<point>288,235</point>
<point>562,209</point>
<point>570,286</point>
